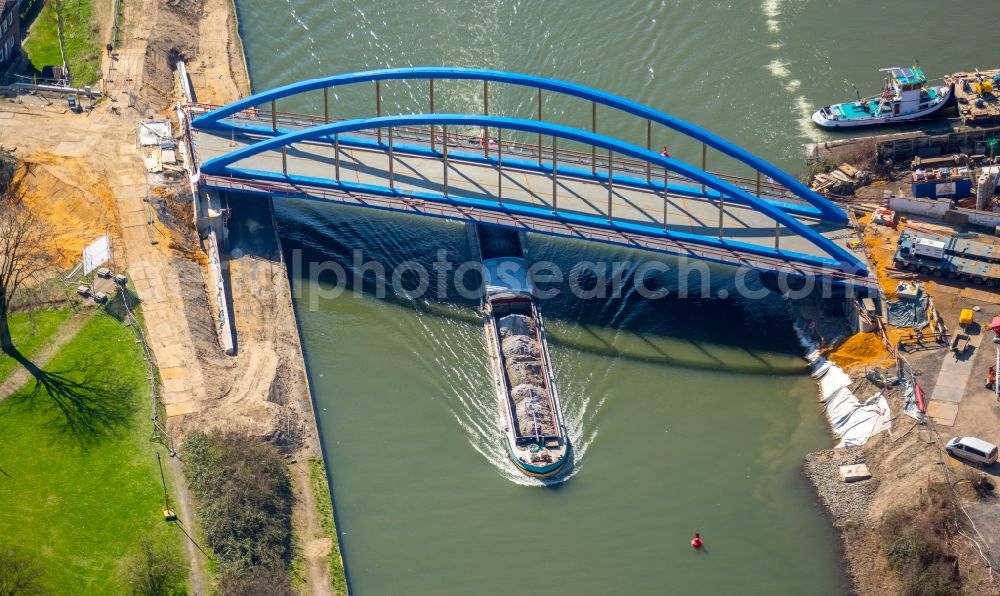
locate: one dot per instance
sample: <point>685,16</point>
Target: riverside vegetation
<point>244,500</point>
<point>919,544</point>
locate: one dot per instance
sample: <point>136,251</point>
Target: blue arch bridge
<point>527,173</point>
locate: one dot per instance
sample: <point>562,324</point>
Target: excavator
<point>991,378</point>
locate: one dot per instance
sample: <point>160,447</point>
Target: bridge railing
<point>727,194</point>
<point>545,226</point>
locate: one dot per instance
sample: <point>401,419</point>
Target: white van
<point>972,449</point>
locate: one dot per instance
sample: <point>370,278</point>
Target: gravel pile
<point>846,501</point>
<point>523,364</point>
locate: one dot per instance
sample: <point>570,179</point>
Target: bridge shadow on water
<point>731,335</point>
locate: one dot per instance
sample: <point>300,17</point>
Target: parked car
<point>972,449</point>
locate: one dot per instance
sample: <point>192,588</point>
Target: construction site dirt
<point>909,460</point>
<point>86,177</point>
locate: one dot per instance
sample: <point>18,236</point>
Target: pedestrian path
<point>950,383</point>
<point>20,376</point>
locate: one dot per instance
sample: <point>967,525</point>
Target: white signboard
<point>96,254</point>
<point>944,189</point>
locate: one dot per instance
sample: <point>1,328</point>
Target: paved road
<point>951,382</point>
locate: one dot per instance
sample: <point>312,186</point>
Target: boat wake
<point>468,388</point>
<point>779,69</point>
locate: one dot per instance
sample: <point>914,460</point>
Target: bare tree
<point>23,253</point>
<point>153,569</point>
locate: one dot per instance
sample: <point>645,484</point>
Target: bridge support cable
<point>593,129</point>
<point>611,187</point>
<point>444,152</point>
<point>555,177</point>
<point>392,158</point>
<point>431,93</point>
<point>649,147</point>
<point>336,156</point>
<point>499,167</point>
<point>486,112</point>
<point>722,216</point>
<point>539,119</point>
<point>704,162</point>
<point>378,106</point>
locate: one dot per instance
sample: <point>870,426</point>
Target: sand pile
<point>859,349</point>
<point>76,204</point>
<point>880,242</point>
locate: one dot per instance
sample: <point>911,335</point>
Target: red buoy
<point>696,541</point>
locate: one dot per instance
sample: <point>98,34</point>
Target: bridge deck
<point>646,208</point>
<point>288,121</point>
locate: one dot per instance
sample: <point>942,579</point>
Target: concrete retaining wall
<point>925,207</point>
<point>986,219</point>
<point>941,209</point>
<point>225,329</point>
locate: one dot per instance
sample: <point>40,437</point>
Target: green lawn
<point>83,49</point>
<point>81,482</point>
<point>30,332</point>
<point>41,44</point>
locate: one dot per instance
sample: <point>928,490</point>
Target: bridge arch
<point>840,258</point>
<point>215,119</point>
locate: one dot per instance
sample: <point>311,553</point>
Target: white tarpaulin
<point>853,422</point>
<point>96,254</point>
<point>154,133</point>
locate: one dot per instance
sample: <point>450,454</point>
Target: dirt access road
<point>88,178</point>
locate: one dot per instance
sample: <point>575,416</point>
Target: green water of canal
<point>687,415</point>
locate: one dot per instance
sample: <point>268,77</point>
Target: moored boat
<point>531,422</point>
<point>905,97</point>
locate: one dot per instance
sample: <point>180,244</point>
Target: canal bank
<point>93,179</point>
<point>912,477</point>
<point>268,346</point>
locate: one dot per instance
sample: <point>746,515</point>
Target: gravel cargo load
<point>525,372</point>
<point>520,347</point>
<point>531,405</point>
<point>515,325</point>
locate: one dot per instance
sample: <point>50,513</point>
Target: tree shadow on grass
<point>91,400</point>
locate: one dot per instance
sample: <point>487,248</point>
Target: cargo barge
<point>977,96</point>
<point>531,421</point>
